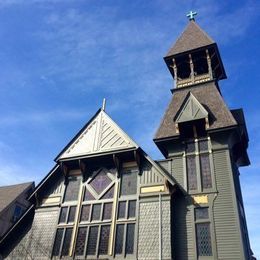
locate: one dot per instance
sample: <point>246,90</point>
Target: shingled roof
<point>208,95</point>
<point>193,37</point>
<point>9,193</point>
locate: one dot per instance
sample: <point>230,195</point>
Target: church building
<point>106,198</point>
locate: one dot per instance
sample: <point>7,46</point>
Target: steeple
<point>194,57</point>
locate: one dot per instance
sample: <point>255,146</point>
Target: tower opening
<point>183,67</point>
<point>200,63</point>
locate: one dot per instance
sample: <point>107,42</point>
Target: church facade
<point>107,199</point>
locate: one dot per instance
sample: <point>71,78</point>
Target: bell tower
<point>194,58</point>
<point>205,143</point>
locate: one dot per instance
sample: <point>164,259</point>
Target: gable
<point>190,110</point>
<point>100,135</point>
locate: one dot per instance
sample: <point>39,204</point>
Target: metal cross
<point>191,15</point>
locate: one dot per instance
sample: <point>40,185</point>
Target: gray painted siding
<point>178,170</point>
<point>225,215</point>
<point>37,243</point>
<point>183,236</point>
<point>148,240</point>
<point>150,175</point>
<point>54,189</point>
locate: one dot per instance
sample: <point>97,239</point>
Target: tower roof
<point>193,37</point>
<point>208,95</point>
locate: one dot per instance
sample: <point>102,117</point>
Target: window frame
<point>66,225</point>
<point>79,203</point>
<point>125,221</point>
<point>15,216</point>
<point>196,153</point>
<point>204,221</point>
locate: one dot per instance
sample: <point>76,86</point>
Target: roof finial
<point>104,104</point>
<point>191,15</point>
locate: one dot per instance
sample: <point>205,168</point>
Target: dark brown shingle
<point>208,95</point>
<point>9,193</point>
<point>192,38</point>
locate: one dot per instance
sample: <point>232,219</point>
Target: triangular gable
<point>190,110</point>
<point>100,135</point>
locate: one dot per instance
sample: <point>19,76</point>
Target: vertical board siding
<point>150,175</point>
<point>37,243</point>
<point>227,231</point>
<point>178,170</point>
<point>54,188</point>
<point>183,237</point>
<point>148,237</point>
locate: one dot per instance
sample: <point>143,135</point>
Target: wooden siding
<point>150,175</point>
<point>224,209</point>
<point>148,235</point>
<point>37,242</point>
<point>178,170</point>
<point>183,235</point>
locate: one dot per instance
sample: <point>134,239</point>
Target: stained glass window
<point>203,239</point>
<point>57,243</point>
<point>129,182</point>
<point>203,145</point>
<point>85,213</point>
<point>130,235</point>
<point>121,209</point>
<point>81,239</point>
<point>88,195</point>
<point>201,213</point>
<point>92,240</point>
<point>104,240</point>
<point>107,211</point>
<point>100,182</point>
<point>95,220</point>
<point>96,209</point>
<point>131,208</point>
<point>205,171</point>
<point>72,189</point>
<point>191,171</point>
<point>109,194</point>
<point>190,147</point>
<point>66,242</point>
<point>119,239</point>
<point>63,215</point>
<point>72,214</point>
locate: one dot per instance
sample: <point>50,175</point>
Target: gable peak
<point>190,110</point>
<point>100,135</point>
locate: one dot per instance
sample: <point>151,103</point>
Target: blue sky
<point>59,58</point>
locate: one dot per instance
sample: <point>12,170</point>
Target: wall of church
<point>227,231</point>
<point>183,231</point>
<point>178,170</point>
<point>150,226</point>
<point>37,243</point>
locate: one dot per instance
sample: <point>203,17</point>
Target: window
<point>66,222</point>
<point>126,214</point>
<point>198,169</point>
<point>203,233</point>
<point>18,211</point>
<point>96,215</point>
<point>95,211</point>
